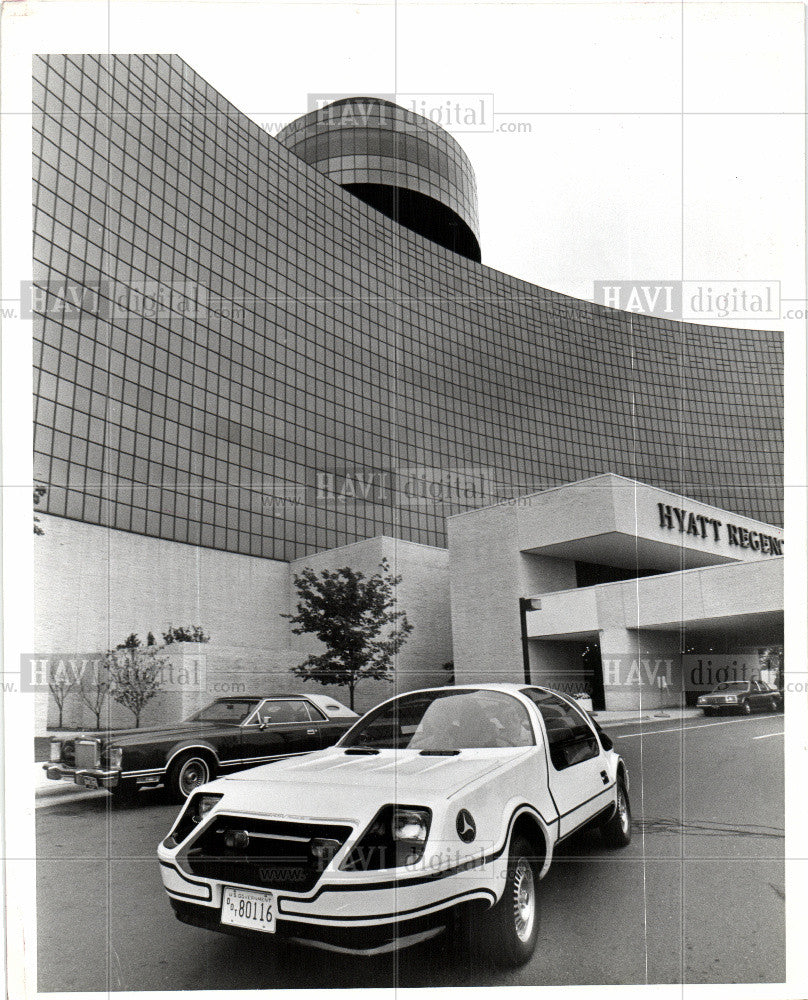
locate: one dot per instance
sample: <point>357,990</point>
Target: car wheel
<point>511,927</point>
<point>746,708</point>
<point>774,705</point>
<point>708,711</point>
<point>616,831</point>
<point>187,773</point>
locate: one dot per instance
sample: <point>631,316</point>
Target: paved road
<point>697,897</point>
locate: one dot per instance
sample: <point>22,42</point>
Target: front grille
<point>277,856</point>
<point>86,753</point>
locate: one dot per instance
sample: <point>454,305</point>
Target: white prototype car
<point>438,807</point>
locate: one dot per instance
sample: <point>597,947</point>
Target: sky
<point>630,141</point>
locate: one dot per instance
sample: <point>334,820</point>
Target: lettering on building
<point>701,526</point>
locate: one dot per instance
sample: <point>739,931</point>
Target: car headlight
<point>732,699</point>
<point>410,825</point>
<point>203,805</point>
<point>115,757</point>
<point>396,838</point>
<point>701,700</point>
<point>55,751</point>
<point>196,808</point>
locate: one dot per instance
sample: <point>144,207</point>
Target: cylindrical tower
<point>398,162</point>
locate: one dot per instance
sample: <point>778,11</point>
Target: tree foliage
<point>180,634</point>
<point>93,689</point>
<point>357,619</point>
<point>135,676</point>
<point>61,682</point>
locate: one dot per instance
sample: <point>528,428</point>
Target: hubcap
<point>622,808</point>
<point>524,900</point>
<point>193,774</point>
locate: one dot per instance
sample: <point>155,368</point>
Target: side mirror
<point>605,740</point>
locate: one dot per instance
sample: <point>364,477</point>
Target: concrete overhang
<point>729,599</point>
<point>616,521</point>
<point>629,551</point>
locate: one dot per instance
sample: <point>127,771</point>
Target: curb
<point>46,801</point>
<point>645,719</point>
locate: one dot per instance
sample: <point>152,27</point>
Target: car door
<point>759,697</point>
<point>579,780</point>
<point>279,727</point>
<point>329,729</point>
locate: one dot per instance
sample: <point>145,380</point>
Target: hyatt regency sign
<point>701,526</point>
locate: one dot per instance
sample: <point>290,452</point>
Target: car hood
<point>152,734</point>
<point>330,783</point>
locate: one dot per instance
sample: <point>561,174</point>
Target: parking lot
<point>697,897</point>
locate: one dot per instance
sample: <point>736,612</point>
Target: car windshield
<point>733,686</point>
<point>233,710</point>
<point>444,721</point>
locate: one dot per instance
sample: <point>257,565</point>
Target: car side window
<point>272,713</point>
<point>569,739</point>
<point>285,712</point>
<point>314,712</point>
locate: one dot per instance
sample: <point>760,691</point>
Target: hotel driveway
<point>697,897</point>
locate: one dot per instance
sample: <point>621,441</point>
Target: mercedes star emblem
<point>466,828</point>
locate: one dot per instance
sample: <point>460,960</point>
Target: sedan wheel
<point>746,708</point>
<point>511,927</point>
<point>187,774</point>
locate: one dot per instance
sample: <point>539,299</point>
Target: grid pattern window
<point>234,352</point>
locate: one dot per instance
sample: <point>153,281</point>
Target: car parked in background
<point>229,734</point>
<point>439,807</point>
<point>741,696</point>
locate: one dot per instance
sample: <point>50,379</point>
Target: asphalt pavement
<point>697,897</point>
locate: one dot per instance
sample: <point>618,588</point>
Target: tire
<point>616,831</point>
<point>187,773</point>
<point>774,705</point>
<point>510,929</point>
<point>708,712</point>
<point>746,708</point>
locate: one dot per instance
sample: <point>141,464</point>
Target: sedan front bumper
<point>88,777</point>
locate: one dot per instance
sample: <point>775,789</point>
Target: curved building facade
<point>399,163</point>
<point>259,361</point>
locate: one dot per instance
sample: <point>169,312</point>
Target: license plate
<point>90,781</point>
<point>242,908</point>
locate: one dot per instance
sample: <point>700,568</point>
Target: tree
<point>39,492</point>
<point>135,676</point>
<point>771,659</point>
<point>358,621</point>
<point>95,690</point>
<point>176,633</point>
<point>61,682</point>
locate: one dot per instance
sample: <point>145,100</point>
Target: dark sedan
<point>230,734</point>
<point>741,696</point>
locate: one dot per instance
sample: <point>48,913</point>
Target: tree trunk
<point>351,686</point>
